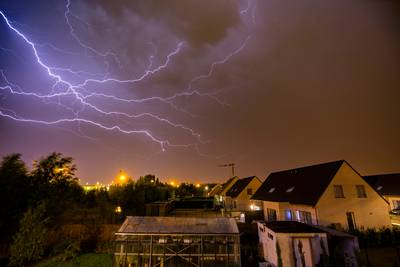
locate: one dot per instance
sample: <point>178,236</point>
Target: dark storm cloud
<point>317,81</point>
<point>199,22</point>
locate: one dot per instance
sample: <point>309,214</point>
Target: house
<point>219,190</point>
<point>388,185</point>
<point>238,197</point>
<point>172,241</point>
<point>298,244</point>
<point>326,194</point>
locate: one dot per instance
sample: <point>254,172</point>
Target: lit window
<point>288,215</point>
<point>338,190</point>
<point>361,191</point>
<point>304,216</point>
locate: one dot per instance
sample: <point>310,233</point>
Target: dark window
<point>249,191</point>
<point>271,215</point>
<point>361,191</point>
<point>338,190</point>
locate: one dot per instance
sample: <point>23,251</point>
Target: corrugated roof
<point>385,184</point>
<point>298,186</point>
<point>238,187</point>
<point>178,225</point>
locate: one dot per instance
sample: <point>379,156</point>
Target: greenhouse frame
<point>177,241</point>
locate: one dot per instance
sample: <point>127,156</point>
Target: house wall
<point>369,212</point>
<point>282,207</point>
<point>311,246</point>
<point>268,245</point>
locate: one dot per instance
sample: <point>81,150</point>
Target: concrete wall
<point>369,212</point>
<point>311,246</point>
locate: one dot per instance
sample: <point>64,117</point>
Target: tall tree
<point>14,192</point>
<point>54,181</point>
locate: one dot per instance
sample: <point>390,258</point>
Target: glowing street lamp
<point>122,177</point>
<point>198,185</point>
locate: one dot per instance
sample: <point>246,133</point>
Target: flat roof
<point>177,225</point>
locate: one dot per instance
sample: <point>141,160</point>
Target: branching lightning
<point>78,91</point>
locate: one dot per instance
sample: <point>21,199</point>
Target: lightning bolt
<point>78,92</point>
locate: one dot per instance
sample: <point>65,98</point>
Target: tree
<point>29,242</point>
<point>53,180</point>
<point>14,192</point>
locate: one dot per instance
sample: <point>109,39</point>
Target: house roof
<point>303,185</point>
<point>239,186</point>
<point>228,183</point>
<point>385,184</point>
<point>177,225</point>
<point>291,227</point>
<point>216,190</point>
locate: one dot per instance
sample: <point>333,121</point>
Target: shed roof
<point>177,225</point>
<point>291,227</point>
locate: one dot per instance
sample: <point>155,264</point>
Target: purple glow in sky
<point>175,88</point>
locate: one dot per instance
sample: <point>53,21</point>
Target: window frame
<point>338,191</point>
<point>361,192</point>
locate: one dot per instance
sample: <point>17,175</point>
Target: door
<point>302,252</point>
<point>351,222</point>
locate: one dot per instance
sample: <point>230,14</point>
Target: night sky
<point>175,88</point>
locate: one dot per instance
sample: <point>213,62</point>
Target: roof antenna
<point>229,165</point>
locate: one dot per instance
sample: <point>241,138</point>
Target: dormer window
<point>271,190</point>
<point>290,189</point>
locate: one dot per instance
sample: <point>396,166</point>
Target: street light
<point>122,178</point>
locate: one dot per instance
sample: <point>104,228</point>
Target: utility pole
<point>229,165</point>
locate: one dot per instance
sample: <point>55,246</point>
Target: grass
<point>86,260</point>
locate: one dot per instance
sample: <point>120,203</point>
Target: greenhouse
<point>175,241</point>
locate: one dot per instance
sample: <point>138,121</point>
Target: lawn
<point>87,260</point>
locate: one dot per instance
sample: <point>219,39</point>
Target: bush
<point>29,241</point>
